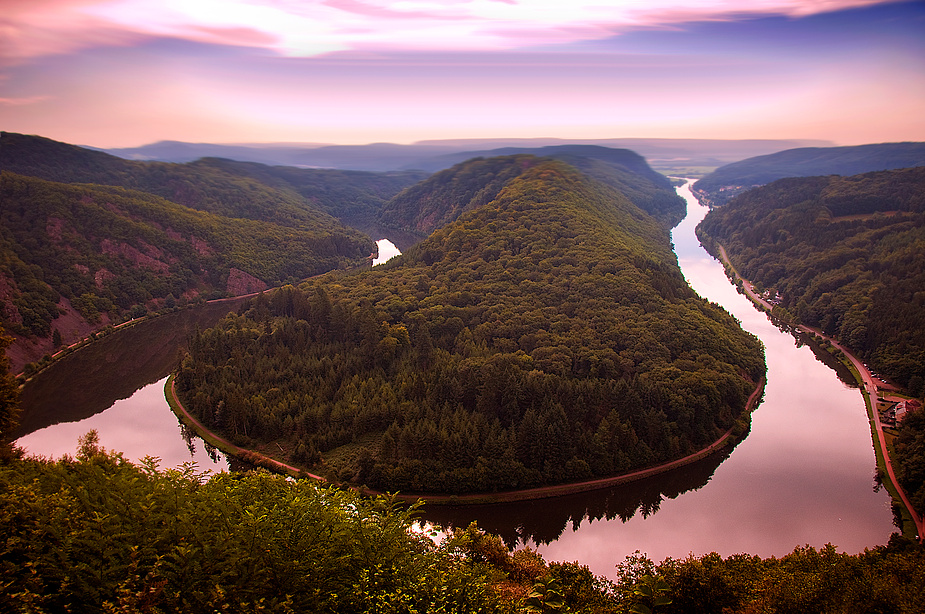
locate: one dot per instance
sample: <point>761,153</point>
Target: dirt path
<point>224,444</point>
<point>867,381</point>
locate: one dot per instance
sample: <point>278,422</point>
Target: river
<point>804,475</point>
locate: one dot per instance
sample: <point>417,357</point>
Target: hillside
<point>429,205</point>
<point>845,255</point>
<point>75,257</point>
<point>350,196</point>
<point>297,197</point>
<point>98,534</point>
<point>732,179</point>
<point>544,336</point>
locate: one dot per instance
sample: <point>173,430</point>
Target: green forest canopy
<point>298,197</point>
<point>845,254</point>
<point>97,534</point>
<point>426,206</point>
<point>546,336</point>
<point>111,250</point>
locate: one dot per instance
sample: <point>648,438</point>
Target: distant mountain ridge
<point>291,196</point>
<point>721,185</point>
<point>434,155</point>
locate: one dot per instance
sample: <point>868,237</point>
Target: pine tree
<point>9,396</point>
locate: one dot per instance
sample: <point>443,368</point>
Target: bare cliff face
<point>240,283</point>
<point>70,325</point>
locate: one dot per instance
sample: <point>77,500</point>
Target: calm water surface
<point>804,475</point>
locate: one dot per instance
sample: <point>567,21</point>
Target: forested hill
<point>298,197</point>
<point>732,179</point>
<point>845,254</point>
<point>75,257</point>
<point>544,336</point>
<point>446,195</point>
<point>439,200</point>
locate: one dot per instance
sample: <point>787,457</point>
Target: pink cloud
<point>378,10</point>
<point>32,28</point>
<point>18,102</point>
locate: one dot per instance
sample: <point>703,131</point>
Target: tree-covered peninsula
<point>545,336</point>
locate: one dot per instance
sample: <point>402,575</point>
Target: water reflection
<point>115,386</point>
<point>544,521</point>
<point>387,251</point>
<point>137,427</point>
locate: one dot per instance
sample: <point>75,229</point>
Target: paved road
<point>869,386</point>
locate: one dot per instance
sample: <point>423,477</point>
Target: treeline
<point>296,197</point>
<point>429,205</point>
<point>97,534</point>
<point>844,254</point>
<point>547,336</point>
<point>116,252</point>
<point>909,460</point>
<point>727,181</point>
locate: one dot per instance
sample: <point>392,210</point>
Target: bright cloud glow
<point>301,28</point>
<point>126,72</point>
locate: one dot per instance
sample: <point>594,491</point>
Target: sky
<point>123,73</point>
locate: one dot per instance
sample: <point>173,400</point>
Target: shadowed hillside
<point>727,181</point>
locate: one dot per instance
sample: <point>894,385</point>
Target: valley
<point>775,500</point>
<point>466,300</point>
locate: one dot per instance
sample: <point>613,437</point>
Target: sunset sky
<point>119,73</point>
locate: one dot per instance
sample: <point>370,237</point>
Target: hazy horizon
<point>126,73</point>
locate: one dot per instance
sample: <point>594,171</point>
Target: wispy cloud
<point>306,28</point>
<point>18,102</point>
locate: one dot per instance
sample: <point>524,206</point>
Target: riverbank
<point>254,458</point>
<point>264,460</point>
<point>913,523</point>
<point>34,368</point>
